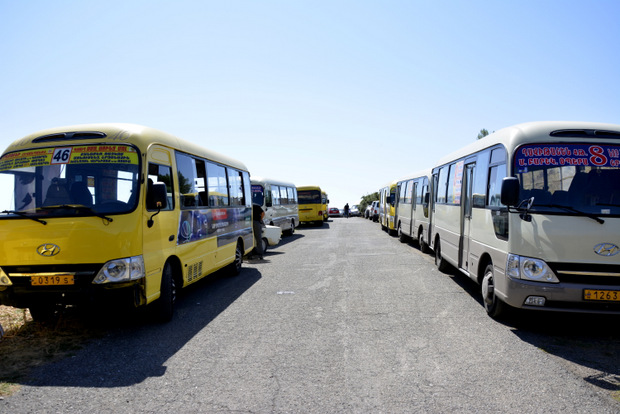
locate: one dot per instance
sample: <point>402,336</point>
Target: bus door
<point>160,229</point>
<point>396,204</point>
<point>466,214</point>
<point>414,205</point>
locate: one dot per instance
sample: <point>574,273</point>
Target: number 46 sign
<point>61,155</point>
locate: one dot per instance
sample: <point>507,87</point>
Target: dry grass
<point>27,344</point>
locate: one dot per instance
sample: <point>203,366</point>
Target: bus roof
<point>515,135</point>
<point>309,187</point>
<point>418,174</point>
<point>117,133</point>
<point>262,180</point>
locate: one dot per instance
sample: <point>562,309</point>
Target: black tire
<point>235,267</point>
<point>440,262</point>
<point>494,306</point>
<point>422,244</point>
<point>265,245</point>
<point>168,295</point>
<point>291,230</point>
<point>401,236</point>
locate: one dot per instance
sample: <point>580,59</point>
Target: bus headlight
<point>121,270</point>
<point>528,268</point>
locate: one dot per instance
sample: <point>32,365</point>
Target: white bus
<point>411,211</point>
<point>279,201</point>
<point>532,213</point>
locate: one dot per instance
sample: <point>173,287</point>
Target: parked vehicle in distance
<point>271,236</point>
<point>412,213</point>
<point>312,204</point>
<point>278,200</point>
<point>387,210</point>
<point>374,211</point>
<point>334,212</point>
<point>354,211</point>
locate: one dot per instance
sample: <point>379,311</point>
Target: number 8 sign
<point>61,155</point>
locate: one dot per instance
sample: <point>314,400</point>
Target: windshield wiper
<point>25,215</point>
<point>80,207</point>
<point>574,210</point>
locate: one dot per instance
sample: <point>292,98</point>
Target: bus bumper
<point>561,297</point>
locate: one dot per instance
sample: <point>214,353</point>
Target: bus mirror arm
<point>156,198</point>
<point>150,221</point>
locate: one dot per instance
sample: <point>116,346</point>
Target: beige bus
<point>278,200</point>
<point>411,208</point>
<point>532,213</point>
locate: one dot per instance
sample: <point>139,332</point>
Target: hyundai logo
<point>606,249</point>
<point>48,250</point>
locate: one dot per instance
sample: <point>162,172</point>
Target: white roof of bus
<point>421,173</point>
<point>262,180</point>
<point>515,135</point>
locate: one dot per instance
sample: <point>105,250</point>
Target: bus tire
<point>291,230</point>
<point>440,262</point>
<point>167,296</point>
<point>494,306</point>
<point>235,267</point>
<point>421,243</point>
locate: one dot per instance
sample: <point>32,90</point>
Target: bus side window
<point>217,185</point>
<point>235,182</point>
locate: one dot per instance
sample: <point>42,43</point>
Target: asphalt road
<point>338,319</point>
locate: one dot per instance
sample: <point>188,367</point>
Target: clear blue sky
<point>348,95</point>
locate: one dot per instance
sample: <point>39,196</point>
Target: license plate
<point>56,280</point>
<point>607,295</point>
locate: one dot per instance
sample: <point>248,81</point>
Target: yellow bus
<point>116,214</point>
<point>532,213</point>
<point>387,203</point>
<point>278,200</point>
<point>411,208</point>
<point>312,204</point>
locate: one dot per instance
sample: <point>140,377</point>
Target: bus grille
<point>589,274</point>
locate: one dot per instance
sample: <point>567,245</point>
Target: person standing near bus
<point>346,210</point>
<point>257,224</point>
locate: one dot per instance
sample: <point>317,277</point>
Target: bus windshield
<point>580,178</point>
<point>68,181</point>
<point>309,197</point>
<point>258,194</point>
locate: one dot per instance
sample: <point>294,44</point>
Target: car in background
<point>271,236</point>
<point>354,211</point>
<point>334,212</point>
<point>374,211</point>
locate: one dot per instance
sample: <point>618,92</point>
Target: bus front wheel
<point>423,246</point>
<point>440,262</point>
<point>492,304</point>
<point>401,236</point>
<point>235,267</point>
<point>168,295</point>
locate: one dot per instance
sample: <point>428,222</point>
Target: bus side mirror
<point>156,196</point>
<point>510,191</point>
